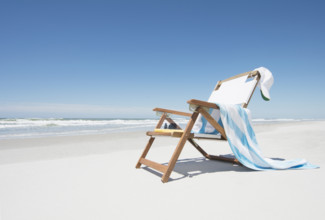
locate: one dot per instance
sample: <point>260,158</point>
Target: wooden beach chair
<point>235,90</point>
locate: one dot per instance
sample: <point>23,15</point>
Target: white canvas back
<point>235,91</point>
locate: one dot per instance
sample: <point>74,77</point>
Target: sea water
<point>37,127</point>
<point>40,127</point>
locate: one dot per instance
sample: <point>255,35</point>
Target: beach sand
<point>94,177</point>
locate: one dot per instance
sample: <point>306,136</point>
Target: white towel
<point>265,82</point>
<point>243,143</point>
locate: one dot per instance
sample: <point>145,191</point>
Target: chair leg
<point>147,148</point>
<point>179,147</point>
<point>145,152</point>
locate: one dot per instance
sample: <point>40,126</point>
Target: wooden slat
<point>149,144</point>
<point>172,112</point>
<point>180,133</point>
<point>161,120</point>
<point>215,124</point>
<point>251,73</point>
<point>154,165</point>
<point>218,85</point>
<point>257,80</point>
<point>152,133</point>
<point>210,138</point>
<point>203,103</point>
<point>145,151</point>
<point>177,134</point>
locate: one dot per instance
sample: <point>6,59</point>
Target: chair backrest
<point>236,90</point>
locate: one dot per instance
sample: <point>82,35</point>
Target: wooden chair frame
<point>186,135</point>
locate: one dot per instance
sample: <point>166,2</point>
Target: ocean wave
<point>49,133</point>
<point>29,123</point>
<point>16,128</point>
<point>36,127</point>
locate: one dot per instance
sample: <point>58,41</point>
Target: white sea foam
<point>21,123</point>
<point>15,128</point>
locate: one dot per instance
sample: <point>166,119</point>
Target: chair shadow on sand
<point>199,166</point>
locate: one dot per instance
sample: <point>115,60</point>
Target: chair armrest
<point>172,112</point>
<point>202,103</point>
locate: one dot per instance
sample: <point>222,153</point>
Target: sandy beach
<point>94,177</point>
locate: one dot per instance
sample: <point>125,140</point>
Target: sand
<point>94,177</point>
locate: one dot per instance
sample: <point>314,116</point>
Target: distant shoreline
<point>42,128</point>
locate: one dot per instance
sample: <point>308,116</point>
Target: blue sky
<point>123,58</point>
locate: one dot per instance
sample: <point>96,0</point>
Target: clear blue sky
<point>123,58</point>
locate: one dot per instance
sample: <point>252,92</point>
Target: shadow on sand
<point>198,166</point>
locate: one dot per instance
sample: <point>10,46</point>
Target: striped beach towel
<point>242,141</point>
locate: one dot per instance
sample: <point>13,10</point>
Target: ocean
<point>40,127</point>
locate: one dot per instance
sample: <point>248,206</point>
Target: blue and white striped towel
<point>242,141</point>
